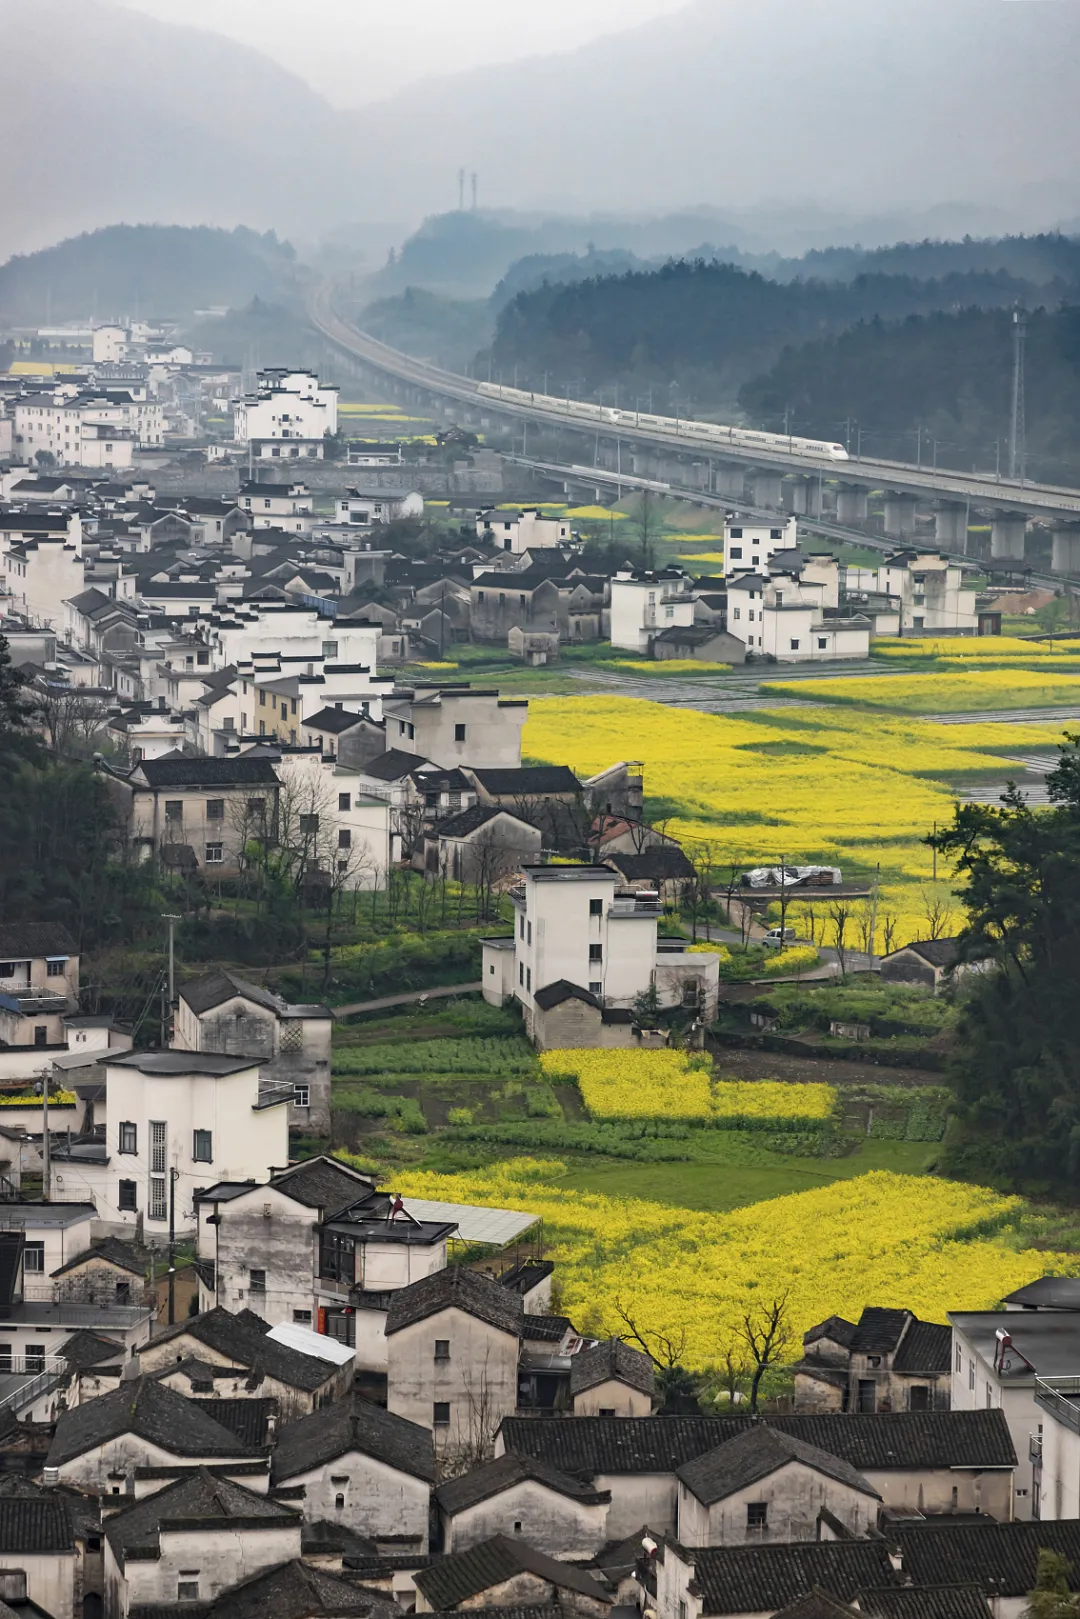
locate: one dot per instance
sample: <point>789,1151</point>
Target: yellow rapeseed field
<point>965,689</point>
<point>973,648</point>
<point>679,1085</point>
<point>668,666</point>
<point>832,784</point>
<point>881,1239</point>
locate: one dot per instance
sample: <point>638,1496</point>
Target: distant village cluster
<point>373,1405</point>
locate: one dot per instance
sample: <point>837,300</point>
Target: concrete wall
<point>612,1399</point>
<point>280,1243</point>
<point>931,1490</point>
<point>379,1501</point>
<point>793,1497</point>
<point>551,1522</point>
<point>50,1579</point>
<point>294,1402</point>
<point>105,1469</point>
<point>479,1381</point>
<point>215,1558</point>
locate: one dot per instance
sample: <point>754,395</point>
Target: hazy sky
<point>357,51</point>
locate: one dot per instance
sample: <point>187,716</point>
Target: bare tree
<point>732,1374</point>
<point>888,932</point>
<point>664,1349</point>
<point>475,1442</point>
<point>839,917</point>
<point>938,914</point>
<point>70,717</point>
<point>491,860</point>
<point>864,923</point>
<point>696,893</point>
<point>766,1334</point>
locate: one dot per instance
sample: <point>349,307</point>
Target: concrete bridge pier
<point>1007,531</point>
<point>899,514</point>
<point>1065,548</point>
<point>731,481</point>
<point>951,525</point>
<point>768,489</point>
<point>852,503</point>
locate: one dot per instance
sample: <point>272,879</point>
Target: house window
<point>34,1256</point>
<point>123,1292</point>
<point>262,699</point>
<point>126,1197</point>
<point>521,927</point>
<point>257,1281</point>
<point>7,969</point>
<point>459,733</point>
<point>738,612</point>
<point>873,1361</point>
<point>596,907</point>
<point>528,979</point>
<point>129,1138</point>
<point>215,854</point>
<point>344,839</point>
<point>174,809</point>
<point>35,1357</point>
<point>917,622</point>
<point>256,808</point>
<point>329,649</point>
<point>959,1359</point>
<point>757,1514</point>
<point>301,1096</point>
<point>54,969</point>
<point>187,1590</point>
<point>919,1398</point>
<point>774,534</point>
<point>794,644</point>
<point>596,987</point>
<point>971,1374</point>
<point>989,1394</point>
<point>202,1147</point>
<point>440,1415</point>
<point>442,1349</point>
<point>528,933</point>
<point>596,952</point>
<point>521,974</point>
<point>822,643</point>
<point>302,1318</point>
<point>736,533</point>
<point>779,597</point>
<point>344,801</point>
<point>157,1210</point>
<point>309,825</point>
<point>339,1502</point>
<point>5,1357</point>
<point>215,809</point>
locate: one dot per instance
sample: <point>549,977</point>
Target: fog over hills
<point>849,106</point>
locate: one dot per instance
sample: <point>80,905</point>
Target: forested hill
<point>950,374</point>
<point>708,327</point>
<point>154,271</point>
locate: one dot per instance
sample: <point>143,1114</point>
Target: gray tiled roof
<point>926,1347</point>
<point>816,1605</point>
<point>144,1407</point>
<point>26,939</point>
<point>753,1455</point>
<point>492,1478</point>
<point>527,780</point>
<point>877,1331</point>
<point>200,1499</point>
<point>239,1339</point>
<point>454,1579</point>
<point>459,1289</point>
<point>353,1425</point>
<point>759,1579</point>
<point>297,1591</point>
<point>217,986</point>
<point>35,1523</point>
<point>244,771</point>
<point>870,1441</point>
<point>925,1602</point>
<point>612,1361</point>
<point>113,1249</point>
<point>997,1557</point>
<point>322,1183</point>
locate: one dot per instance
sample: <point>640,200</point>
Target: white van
<point>779,938</point>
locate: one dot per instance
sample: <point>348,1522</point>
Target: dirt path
<point>414,995</point>
<point>803,1070</point>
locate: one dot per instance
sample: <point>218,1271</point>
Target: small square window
<point>301,1096</point>
<point>794,644</point>
<point>55,969</point>
<point>215,854</point>
<point>215,809</point>
<point>596,952</point>
<point>302,1317</point>
<point>442,1349</point>
<point>596,907</point>
<point>257,1282</point>
<point>129,1138</point>
<point>440,1415</point>
<point>757,1514</point>
<point>521,974</point>
<point>34,1256</point>
<point>309,825</point>
<point>187,1590</point>
<point>822,643</point>
<point>596,987</point>
<point>459,733</point>
<point>174,809</point>
<point>202,1147</point>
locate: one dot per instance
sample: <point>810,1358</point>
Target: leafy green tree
<point>1051,1597</point>
<point>1016,1072</point>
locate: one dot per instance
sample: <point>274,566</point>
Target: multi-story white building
<point>286,405</point>
<point>177,1121</point>
<point>783,614</point>
<point>930,592</point>
<point>585,948</point>
<point>644,603</point>
<point>364,507</point>
<point>278,505</point>
<point>42,574</point>
<point>95,429</point>
<point>750,542</point>
<point>521,531</point>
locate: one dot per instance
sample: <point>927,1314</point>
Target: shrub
<point>400,1112</point>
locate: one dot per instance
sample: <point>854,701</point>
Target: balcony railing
<point>19,1398</point>
<point>1060,1396</point>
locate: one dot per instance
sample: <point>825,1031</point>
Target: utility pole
<point>474,179</point>
<point>873,915</point>
<point>461,191</point>
<point>168,1020</point>
<point>46,1146</point>
<point>1018,428</point>
<point>174,1176</point>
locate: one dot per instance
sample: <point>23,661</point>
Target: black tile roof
<point>563,990</point>
<point>454,1579</point>
<point>1047,1293</point>
<point>296,1591</point>
<point>528,780</point>
<point>35,1523</point>
<point>392,765</point>
<point>937,952</point>
<point>545,1328</point>
<point>526,1275</point>
<point>354,1425</point>
<point>548,1610</point>
<point>816,1604</point>
<point>86,1348</point>
<point>470,820</point>
<point>878,1331</point>
<point>664,863</point>
<point>218,986</point>
<point>870,1441</point>
<point>459,1289</point>
<point>242,1339</point>
<point>758,1579</point>
<point>244,771</point>
<point>114,1250</point>
<point>249,1420</point>
<point>613,1360</point>
<point>925,1602</point>
<point>753,1455</point>
<point>334,720</point>
<point>144,1407</point>
<point>999,1558</point>
<point>925,1347</point>
<point>492,1478</point>
<point>322,1183</point>
<point>25,939</point>
<point>200,1499</point>
<point>835,1328</point>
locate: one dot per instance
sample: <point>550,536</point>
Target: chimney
<point>12,1585</point>
<point>50,1477</point>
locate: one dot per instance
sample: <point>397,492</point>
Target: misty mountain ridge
<point>851,107</point>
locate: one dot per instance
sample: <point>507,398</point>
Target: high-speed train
<point>707,432</point>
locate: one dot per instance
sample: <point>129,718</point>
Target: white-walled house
<point>930,592</point>
<point>39,983</point>
<point>645,603</point>
<point>277,505</point>
<point>177,1121</point>
<point>286,405</point>
<point>456,725</point>
<point>41,574</point>
<point>584,949</point>
<point>563,1516</point>
<point>365,507</point>
<point>782,615</point>
<point>751,542</point>
<point>521,531</point>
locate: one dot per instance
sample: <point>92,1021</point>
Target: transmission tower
<point>1018,428</point>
